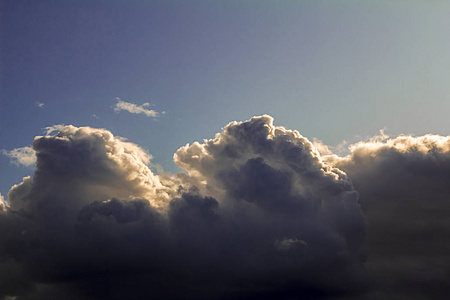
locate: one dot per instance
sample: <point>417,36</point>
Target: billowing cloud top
<point>90,163</point>
<point>258,142</point>
<point>276,171</point>
<point>259,214</point>
<point>405,194</point>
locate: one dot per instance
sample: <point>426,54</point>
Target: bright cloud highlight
<point>2,202</point>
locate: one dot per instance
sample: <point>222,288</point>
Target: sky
<point>288,148</point>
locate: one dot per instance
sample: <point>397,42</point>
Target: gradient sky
<point>335,70</point>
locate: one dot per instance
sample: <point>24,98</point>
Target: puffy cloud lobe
<point>259,139</point>
<point>82,165</point>
<point>22,156</point>
<point>274,179</point>
<point>278,170</point>
<point>405,194</point>
<point>259,215</point>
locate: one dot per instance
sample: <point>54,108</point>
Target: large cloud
<point>275,173</point>
<point>259,214</point>
<point>405,194</point>
<point>81,165</point>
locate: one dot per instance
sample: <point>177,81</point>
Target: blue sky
<point>335,70</point>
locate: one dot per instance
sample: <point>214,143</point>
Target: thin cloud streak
<point>55,128</point>
<point>135,109</point>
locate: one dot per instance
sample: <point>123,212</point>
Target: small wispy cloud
<point>25,156</point>
<point>40,104</point>
<point>55,128</point>
<point>135,109</point>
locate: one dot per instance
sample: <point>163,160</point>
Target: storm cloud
<point>258,214</point>
<point>405,195</point>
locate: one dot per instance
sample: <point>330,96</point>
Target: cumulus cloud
<point>405,194</point>
<point>261,212</point>
<point>86,164</point>
<point>135,109</point>
<point>25,156</point>
<point>259,215</point>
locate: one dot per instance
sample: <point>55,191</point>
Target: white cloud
<point>21,156</point>
<point>55,128</point>
<point>2,202</point>
<point>135,109</point>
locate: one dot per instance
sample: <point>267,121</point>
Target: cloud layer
<point>259,214</point>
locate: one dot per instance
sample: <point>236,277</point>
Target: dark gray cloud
<point>405,195</point>
<point>259,215</point>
